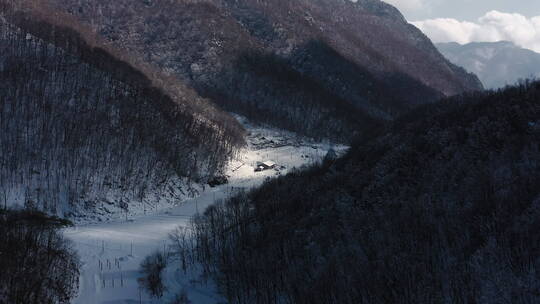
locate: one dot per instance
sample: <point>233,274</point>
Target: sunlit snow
<point>111,252</point>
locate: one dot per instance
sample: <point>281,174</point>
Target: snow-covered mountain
<point>324,68</point>
<point>496,63</point>
<point>209,135</point>
<point>85,131</point>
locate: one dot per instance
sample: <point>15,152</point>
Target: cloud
<point>493,26</point>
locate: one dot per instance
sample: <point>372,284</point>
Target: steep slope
<point>327,68</point>
<point>150,232</point>
<point>444,207</point>
<point>79,124</point>
<point>496,63</point>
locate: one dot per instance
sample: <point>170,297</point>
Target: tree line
<point>441,207</point>
<point>78,122</point>
<point>37,264</point>
<point>261,59</point>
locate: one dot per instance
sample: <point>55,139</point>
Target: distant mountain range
<point>496,63</point>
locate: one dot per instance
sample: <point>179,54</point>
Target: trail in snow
<point>111,252</point>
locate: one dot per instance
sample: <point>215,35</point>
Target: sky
<point>465,21</point>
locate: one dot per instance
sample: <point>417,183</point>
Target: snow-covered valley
<point>111,251</point>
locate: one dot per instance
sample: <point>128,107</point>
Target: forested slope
<point>79,122</point>
<point>37,264</point>
<point>325,68</point>
<point>444,207</point>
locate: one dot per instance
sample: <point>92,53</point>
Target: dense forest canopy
<point>443,207</point>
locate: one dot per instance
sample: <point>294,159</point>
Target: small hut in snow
<point>267,165</point>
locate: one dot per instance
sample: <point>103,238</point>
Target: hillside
<point>443,207</point>
<point>325,68</point>
<point>38,264</point>
<point>497,64</point>
<point>83,128</point>
<point>129,242</point>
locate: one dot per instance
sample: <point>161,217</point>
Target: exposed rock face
<point>356,62</point>
<point>496,63</point>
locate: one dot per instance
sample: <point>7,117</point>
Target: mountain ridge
<point>370,34</point>
<point>496,63</point>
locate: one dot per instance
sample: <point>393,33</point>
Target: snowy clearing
<point>111,252</point>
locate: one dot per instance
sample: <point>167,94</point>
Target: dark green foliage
<point>444,207</point>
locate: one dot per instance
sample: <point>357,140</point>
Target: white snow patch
<point>120,245</point>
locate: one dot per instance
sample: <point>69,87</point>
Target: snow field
<point>111,252</point>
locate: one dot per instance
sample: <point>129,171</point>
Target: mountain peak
<point>496,63</point>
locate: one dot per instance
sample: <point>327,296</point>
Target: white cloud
<point>493,26</point>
